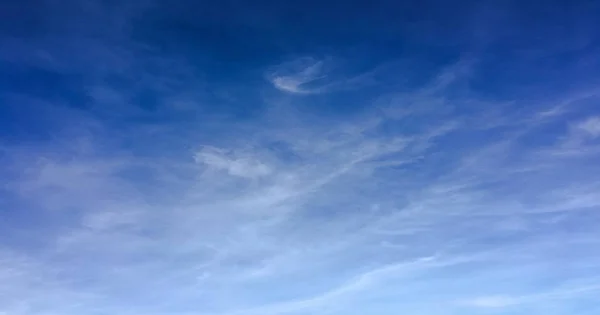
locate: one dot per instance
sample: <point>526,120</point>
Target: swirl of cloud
<point>294,76</point>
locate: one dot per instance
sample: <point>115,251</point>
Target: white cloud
<point>590,126</point>
<point>234,163</point>
<point>293,76</point>
<point>578,141</point>
<point>308,75</point>
<point>298,216</point>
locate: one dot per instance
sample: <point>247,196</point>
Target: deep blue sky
<point>307,157</point>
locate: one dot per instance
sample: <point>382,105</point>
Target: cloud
<point>579,140</point>
<point>504,301</point>
<point>426,195</point>
<point>308,75</point>
<point>590,126</point>
<point>232,163</point>
<point>226,228</point>
<point>293,76</point>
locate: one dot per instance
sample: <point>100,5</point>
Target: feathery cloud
<point>428,196</point>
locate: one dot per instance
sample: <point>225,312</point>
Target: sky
<point>299,157</point>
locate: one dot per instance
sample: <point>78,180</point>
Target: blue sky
<point>311,157</point>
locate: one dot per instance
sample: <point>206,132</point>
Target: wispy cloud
<point>590,126</point>
<point>308,75</point>
<point>293,76</point>
<point>505,301</point>
<point>429,196</point>
<point>287,202</point>
<point>232,162</point>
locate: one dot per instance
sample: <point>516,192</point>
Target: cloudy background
<point>315,157</point>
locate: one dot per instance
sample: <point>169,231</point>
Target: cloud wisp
<point>239,226</point>
<point>308,75</point>
<point>146,185</point>
<point>293,76</point>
